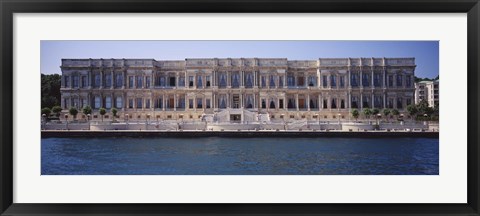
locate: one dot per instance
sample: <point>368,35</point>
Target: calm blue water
<point>239,156</point>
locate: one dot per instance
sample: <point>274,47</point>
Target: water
<point>240,156</point>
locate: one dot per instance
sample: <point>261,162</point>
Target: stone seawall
<point>240,134</point>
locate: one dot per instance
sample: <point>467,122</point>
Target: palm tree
<point>102,112</point>
<point>73,111</point>
<point>355,114</point>
<point>386,113</point>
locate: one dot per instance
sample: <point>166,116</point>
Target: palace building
<point>237,89</point>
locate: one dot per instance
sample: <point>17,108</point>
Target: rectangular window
<point>354,102</point>
<point>311,81</point>
<point>67,81</point>
<point>399,103</point>
<point>147,82</point>
<point>130,82</point>
<point>354,80</point>
<point>139,81</point>
<point>378,101</point>
<point>119,80</point>
<point>159,103</point>
<point>119,102</point>
<point>263,80</point>
<point>108,80</point>
<point>207,103</point>
<point>408,81</point>
<point>208,81</point>
<point>199,102</point>
<point>324,81</point>
<point>342,81</point>
<point>147,103</point>
<point>272,81</point>
<point>84,81</point>
<point>199,82</point>
<point>75,81</point>
<point>390,103</point>
<point>264,105</point>
<point>333,80</point>
<point>290,81</point>
<point>139,103</point>
<point>235,81</point>
<point>399,80</point>
<point>96,82</point>
<point>190,103</point>
<point>190,81</point>
<point>376,80</point>
<point>181,82</point>
<point>97,102</point>
<point>301,81</point>
<point>130,103</point>
<point>172,81</point>
<point>390,80</point>
<point>162,81</point>
<point>280,81</point>
<point>249,80</point>
<point>365,80</point>
<point>108,102</point>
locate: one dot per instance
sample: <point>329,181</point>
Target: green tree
<point>50,90</point>
<point>367,112</point>
<point>375,111</point>
<point>46,111</point>
<point>386,113</point>
<point>73,111</point>
<point>422,107</point>
<point>355,114</point>
<point>395,113</point>
<point>87,110</point>
<point>102,112</point>
<point>412,110</point>
<point>114,113</point>
<point>57,110</point>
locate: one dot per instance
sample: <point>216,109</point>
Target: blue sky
<point>426,53</point>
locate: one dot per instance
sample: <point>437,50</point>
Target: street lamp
<point>66,120</point>
<point>284,124</point>
<point>88,119</point>
<point>318,119</point>
<point>401,119</point>
<point>126,115</point>
<point>378,118</point>
<point>181,116</point>
<point>148,118</point>
<point>339,117</point>
<point>44,116</point>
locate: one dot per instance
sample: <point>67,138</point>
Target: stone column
<point>112,80</point>
<point>361,101</point>
<point>101,79</point>
<point>296,101</point>
<point>308,102</point>
<point>372,102</point>
<point>164,104</point>
<point>175,102</point>
<point>320,103</point>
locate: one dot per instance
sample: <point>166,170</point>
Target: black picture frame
<point>9,7</point>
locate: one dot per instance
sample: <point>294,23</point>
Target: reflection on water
<point>239,156</point>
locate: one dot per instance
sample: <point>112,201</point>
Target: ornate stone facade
<point>326,88</point>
